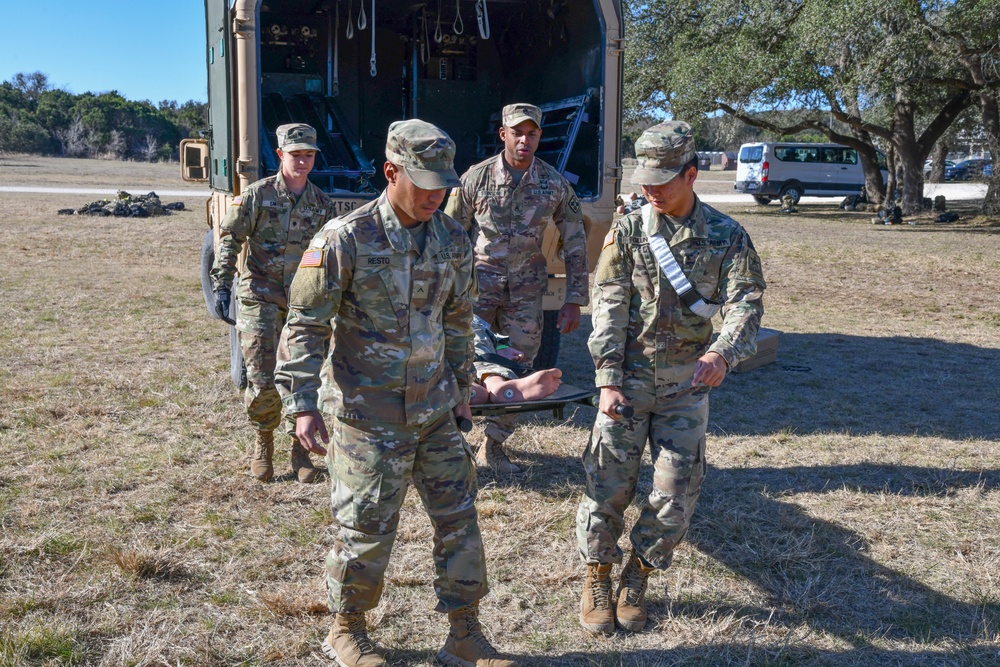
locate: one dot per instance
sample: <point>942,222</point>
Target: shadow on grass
<point>860,385</point>
<point>816,573</point>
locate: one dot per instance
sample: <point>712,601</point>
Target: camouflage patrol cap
<point>520,112</point>
<point>662,151</point>
<point>425,152</point>
<point>296,137</point>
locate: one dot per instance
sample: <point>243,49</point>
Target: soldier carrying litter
<point>396,275</point>
<point>664,272</point>
<point>276,217</point>
<point>508,200</point>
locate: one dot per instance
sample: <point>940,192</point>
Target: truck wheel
<point>763,201</point>
<point>207,260</point>
<point>237,369</point>
<point>795,190</point>
<point>548,352</point>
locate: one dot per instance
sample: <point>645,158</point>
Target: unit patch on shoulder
<point>574,204</point>
<point>312,258</point>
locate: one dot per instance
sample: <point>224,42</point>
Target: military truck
<point>351,67</point>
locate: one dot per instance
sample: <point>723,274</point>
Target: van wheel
<point>207,260</point>
<point>548,351</point>
<point>763,201</point>
<point>795,190</point>
<point>237,368</point>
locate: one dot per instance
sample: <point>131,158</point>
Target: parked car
<point>966,169</point>
<point>929,164</point>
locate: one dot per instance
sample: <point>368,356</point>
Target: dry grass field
<point>851,515</point>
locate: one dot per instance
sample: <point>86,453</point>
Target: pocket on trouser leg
<point>355,495</point>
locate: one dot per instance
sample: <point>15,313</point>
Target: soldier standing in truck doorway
<point>506,202</point>
<point>665,270</point>
<point>276,217</point>
<point>396,277</point>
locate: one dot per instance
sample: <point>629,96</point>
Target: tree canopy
<point>37,118</point>
<point>894,74</point>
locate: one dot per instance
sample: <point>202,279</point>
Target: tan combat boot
<point>631,611</point>
<point>348,642</point>
<point>302,465</point>
<point>263,452</point>
<point>466,645</point>
<point>492,455</point>
<point>596,606</point>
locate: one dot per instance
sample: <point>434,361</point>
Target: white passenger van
<point>772,170</point>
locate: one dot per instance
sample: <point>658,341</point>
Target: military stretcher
<point>556,402</point>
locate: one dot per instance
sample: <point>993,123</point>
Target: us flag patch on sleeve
<point>311,258</point>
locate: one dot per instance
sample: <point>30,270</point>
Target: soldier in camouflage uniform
<point>276,217</point>
<point>653,352</point>
<point>396,276</point>
<point>508,200</point>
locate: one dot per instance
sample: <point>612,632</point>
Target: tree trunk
<point>874,185</point>
<point>891,184</point>
<point>937,165</point>
<point>912,163</point>
<point>990,103</point>
<point>908,154</point>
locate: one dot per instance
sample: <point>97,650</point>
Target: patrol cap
<point>662,151</point>
<point>296,137</point>
<point>425,152</point>
<point>520,112</point>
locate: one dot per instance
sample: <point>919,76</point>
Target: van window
<point>850,156</point>
<point>750,154</point>
<point>797,153</point>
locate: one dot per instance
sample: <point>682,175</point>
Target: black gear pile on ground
<point>126,206</point>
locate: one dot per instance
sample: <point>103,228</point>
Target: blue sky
<point>145,50</point>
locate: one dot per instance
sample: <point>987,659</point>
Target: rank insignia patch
<point>311,258</point>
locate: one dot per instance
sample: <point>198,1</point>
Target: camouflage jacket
<point>644,337</point>
<point>510,224</point>
<point>277,229</point>
<point>401,350</point>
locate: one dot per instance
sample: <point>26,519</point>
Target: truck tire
<point>207,260</point>
<point>548,351</point>
<point>237,368</point>
<point>793,189</point>
<point>763,201</point>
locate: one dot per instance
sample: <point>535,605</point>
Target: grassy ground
<point>850,515</point>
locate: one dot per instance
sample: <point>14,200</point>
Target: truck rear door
<point>220,114</point>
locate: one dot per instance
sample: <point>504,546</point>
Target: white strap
<point>483,19</point>
<point>335,87</point>
<point>425,42</point>
<point>438,35</point>
<point>459,25</point>
<point>373,69</point>
<point>672,270</point>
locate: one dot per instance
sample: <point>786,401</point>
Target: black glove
<point>223,296</point>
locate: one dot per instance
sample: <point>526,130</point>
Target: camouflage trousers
<point>259,326</point>
<point>372,465</point>
<point>520,318</point>
<point>675,428</point>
